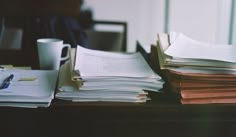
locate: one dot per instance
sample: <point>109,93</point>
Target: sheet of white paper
<point>24,105</point>
<point>107,95</point>
<point>99,63</point>
<point>122,83</point>
<point>43,86</point>
<point>117,89</point>
<point>88,94</point>
<point>185,47</point>
<point>173,36</point>
<point>203,71</point>
<point>110,100</point>
<point>25,99</point>
<point>145,79</point>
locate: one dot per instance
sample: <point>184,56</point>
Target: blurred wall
<point>205,20</point>
<point>144,17</point>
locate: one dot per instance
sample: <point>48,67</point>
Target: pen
<point>2,68</point>
<point>6,82</point>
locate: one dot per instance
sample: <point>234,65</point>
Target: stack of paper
<point>28,88</point>
<point>108,76</point>
<point>201,72</point>
<point>182,51</point>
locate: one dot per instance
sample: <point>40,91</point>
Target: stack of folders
<point>27,88</point>
<point>92,75</point>
<point>202,73</point>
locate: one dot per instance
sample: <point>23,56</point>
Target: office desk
<point>155,118</point>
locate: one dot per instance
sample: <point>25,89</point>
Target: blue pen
<point>6,82</point>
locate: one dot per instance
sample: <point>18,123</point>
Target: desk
<point>155,118</point>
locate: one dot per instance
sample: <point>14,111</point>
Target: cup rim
<point>46,40</point>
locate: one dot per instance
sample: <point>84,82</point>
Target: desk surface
<point>158,117</point>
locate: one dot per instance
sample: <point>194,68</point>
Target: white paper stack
<point>29,88</point>
<point>109,76</point>
<point>183,51</point>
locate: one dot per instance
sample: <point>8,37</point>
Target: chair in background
<point>107,35</point>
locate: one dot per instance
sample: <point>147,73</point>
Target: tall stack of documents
<point>200,72</point>
<point>106,76</point>
<point>28,88</point>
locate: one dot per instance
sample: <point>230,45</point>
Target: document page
<point>42,86</point>
<point>99,63</point>
<point>185,47</point>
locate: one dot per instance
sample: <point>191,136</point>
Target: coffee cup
<point>50,53</point>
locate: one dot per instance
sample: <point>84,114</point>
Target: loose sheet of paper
<point>99,63</point>
<point>42,86</point>
<point>185,47</point>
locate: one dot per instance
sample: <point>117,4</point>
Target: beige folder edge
<point>67,75</point>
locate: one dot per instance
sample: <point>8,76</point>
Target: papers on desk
<point>185,47</point>
<point>115,95</point>
<point>29,88</point>
<point>200,72</point>
<point>108,76</point>
<point>184,51</point>
<point>94,63</point>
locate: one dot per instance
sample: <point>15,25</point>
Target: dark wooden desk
<point>155,118</point>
